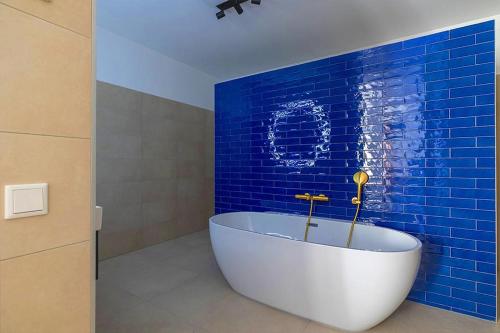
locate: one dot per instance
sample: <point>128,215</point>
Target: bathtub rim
<point>417,247</point>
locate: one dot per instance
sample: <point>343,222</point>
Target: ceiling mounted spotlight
<point>238,8</point>
<point>220,14</point>
<point>236,4</point>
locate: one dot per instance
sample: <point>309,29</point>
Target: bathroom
<point>249,166</point>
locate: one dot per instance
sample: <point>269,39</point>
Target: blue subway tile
<point>473,234</point>
<point>474,49</point>
<point>488,311</point>
<point>450,222</point>
<point>473,132</point>
<point>449,301</point>
<point>473,173</point>
<point>472,70</point>
<point>450,182</point>
<point>473,90</point>
<point>472,29</point>
<point>485,183</point>
<point>473,214</point>
<point>473,152</point>
<point>452,282</point>
<point>473,275</point>
<point>485,121</point>
<point>451,44</point>
<point>474,193</point>
<point>485,58</point>
<point>485,78</point>
<point>487,267</point>
<point>419,41</point>
<point>485,99</point>
<point>487,289</point>
<point>447,64</point>
<point>473,255</point>
<point>450,103</point>
<point>486,246</point>
<point>473,296</point>
<point>486,204</point>
<point>453,83</point>
<point>437,76</point>
<point>486,36</point>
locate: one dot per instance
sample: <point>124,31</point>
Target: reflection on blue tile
<point>417,115</point>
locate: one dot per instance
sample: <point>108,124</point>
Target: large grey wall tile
<point>190,151</point>
<point>117,110</point>
<point>159,211</point>
<point>159,190</point>
<point>115,145</point>
<point>114,244</point>
<point>109,194</point>
<point>117,170</point>
<point>118,122</point>
<point>158,169</point>
<point>190,132</point>
<point>191,168</point>
<point>160,128</point>
<point>111,97</point>
<point>154,148</point>
<point>154,168</point>
<point>191,114</point>
<point>157,108</point>
<point>154,233</point>
<point>121,217</point>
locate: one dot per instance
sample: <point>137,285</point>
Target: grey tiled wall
<point>154,168</point>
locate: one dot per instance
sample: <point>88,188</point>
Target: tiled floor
<point>176,287</point>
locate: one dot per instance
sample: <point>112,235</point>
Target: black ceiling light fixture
<point>236,4</point>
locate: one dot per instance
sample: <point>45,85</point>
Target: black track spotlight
<point>220,14</point>
<point>236,4</point>
<point>238,8</point>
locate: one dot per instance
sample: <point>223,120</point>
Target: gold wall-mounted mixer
<point>360,178</point>
<point>310,198</point>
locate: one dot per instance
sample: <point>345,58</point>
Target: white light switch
<point>26,200</point>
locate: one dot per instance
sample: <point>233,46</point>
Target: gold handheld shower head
<point>360,178</point>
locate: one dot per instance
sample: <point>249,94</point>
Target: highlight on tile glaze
<point>284,120</point>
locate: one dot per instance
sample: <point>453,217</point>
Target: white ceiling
<point>278,32</point>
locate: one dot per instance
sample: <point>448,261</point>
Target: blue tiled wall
<point>417,115</point>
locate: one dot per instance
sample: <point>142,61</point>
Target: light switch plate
<point>26,200</point>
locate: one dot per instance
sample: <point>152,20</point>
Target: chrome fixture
<point>236,4</point>
<point>360,178</point>
<point>310,198</point>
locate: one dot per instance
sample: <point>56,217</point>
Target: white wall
<point>128,64</point>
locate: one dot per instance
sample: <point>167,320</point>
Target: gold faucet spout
<point>305,196</point>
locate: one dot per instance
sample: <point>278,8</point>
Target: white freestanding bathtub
<point>263,257</point>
